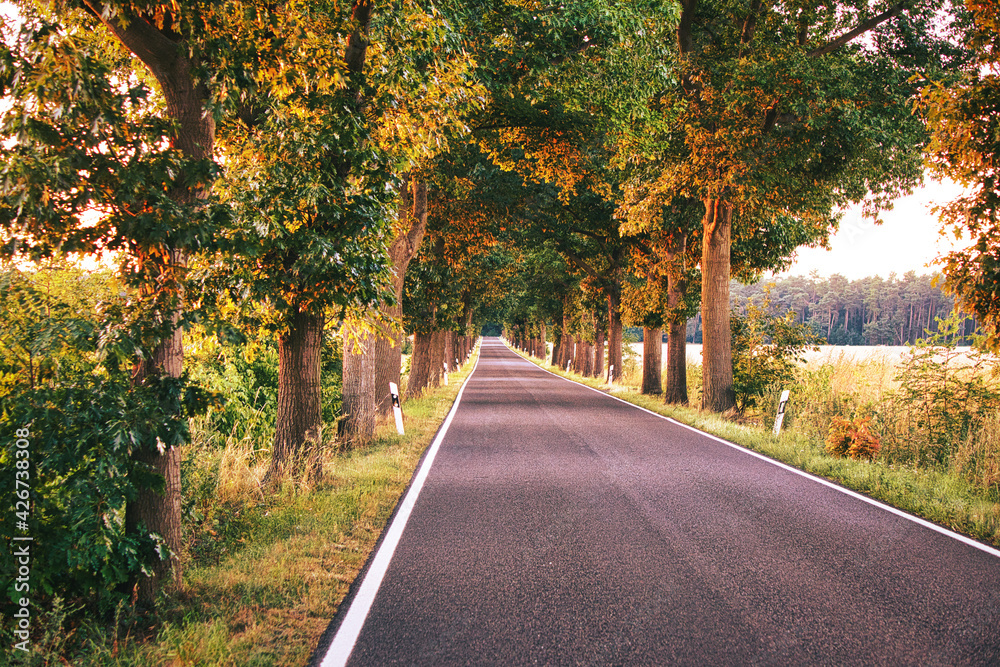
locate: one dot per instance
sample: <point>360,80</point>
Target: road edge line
<point>342,645</point>
<point>763,457</point>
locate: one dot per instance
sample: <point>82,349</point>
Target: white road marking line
<point>825,482</point>
<point>350,628</point>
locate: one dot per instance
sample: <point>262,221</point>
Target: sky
<point>907,240</point>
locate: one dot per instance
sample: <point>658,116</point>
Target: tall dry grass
<point>932,412</point>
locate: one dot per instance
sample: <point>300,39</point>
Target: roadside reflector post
<point>396,408</point>
<point>611,373</point>
<point>567,365</point>
<point>781,412</point>
<point>445,364</point>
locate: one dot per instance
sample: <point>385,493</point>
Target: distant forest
<point>869,311</point>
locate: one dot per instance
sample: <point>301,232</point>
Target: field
<point>825,353</point>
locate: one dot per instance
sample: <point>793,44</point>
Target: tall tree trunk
<point>615,332</point>
<point>717,353</point>
<point>437,357</point>
<point>358,386</point>
<point>185,99</point>
<point>588,359</point>
<point>468,340</point>
<point>389,350</point>
<point>566,340</point>
<point>675,390</point>
<point>420,364</point>
<point>580,357</point>
<point>159,512</point>
<point>557,343</point>
<point>676,381</point>
<point>543,347</point>
<point>300,414</point>
<point>449,350</point>
<point>652,361</point>
<point>599,352</point>
<point>570,352</point>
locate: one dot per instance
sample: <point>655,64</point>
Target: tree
<point>964,118</point>
<point>783,109</point>
<point>310,194</point>
<point>84,140</point>
<point>426,89</point>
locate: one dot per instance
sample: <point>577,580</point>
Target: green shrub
<point>247,376</point>
<point>943,398</point>
<point>83,418</point>
<point>765,349</point>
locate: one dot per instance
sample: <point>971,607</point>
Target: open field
<point>825,353</point>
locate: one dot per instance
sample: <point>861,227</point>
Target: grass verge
<point>269,570</point>
<point>943,498</point>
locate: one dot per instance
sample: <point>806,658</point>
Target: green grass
<point>944,498</point>
<point>268,571</point>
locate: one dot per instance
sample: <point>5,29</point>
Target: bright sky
<point>907,240</point>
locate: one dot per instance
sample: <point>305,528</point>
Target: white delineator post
<point>445,364</point>
<point>611,373</point>
<point>396,408</point>
<point>781,412</point>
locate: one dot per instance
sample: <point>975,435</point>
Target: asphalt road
<point>558,526</point>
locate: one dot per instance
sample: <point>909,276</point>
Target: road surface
<point>559,526</point>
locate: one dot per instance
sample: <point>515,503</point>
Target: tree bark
<point>588,359</point>
<point>389,351</point>
<point>449,350</point>
<point>599,352</point>
<point>299,421</point>
<point>358,387</point>
<point>580,357</point>
<point>185,99</point>
<point>717,353</point>
<point>437,357</point>
<point>652,359</point>
<point>159,512</point>
<point>557,338</point>
<point>615,333</point>
<point>675,390</point>
<point>420,365</point>
<point>566,363</point>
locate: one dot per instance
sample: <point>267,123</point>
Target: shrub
<point>765,349</point>
<point>852,438</point>
<point>84,419</point>
<point>944,395</point>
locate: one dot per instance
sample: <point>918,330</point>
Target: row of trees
<point>426,167</point>
<point>869,311</point>
<point>250,175</point>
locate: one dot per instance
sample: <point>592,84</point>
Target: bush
<point>765,349</point>
<point>247,375</point>
<point>84,419</point>
<point>852,438</point>
<point>944,396</point>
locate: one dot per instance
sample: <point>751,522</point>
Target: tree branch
<point>864,27</point>
<point>684,27</point>
<point>357,45</point>
<point>580,263</point>
<point>142,38</point>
